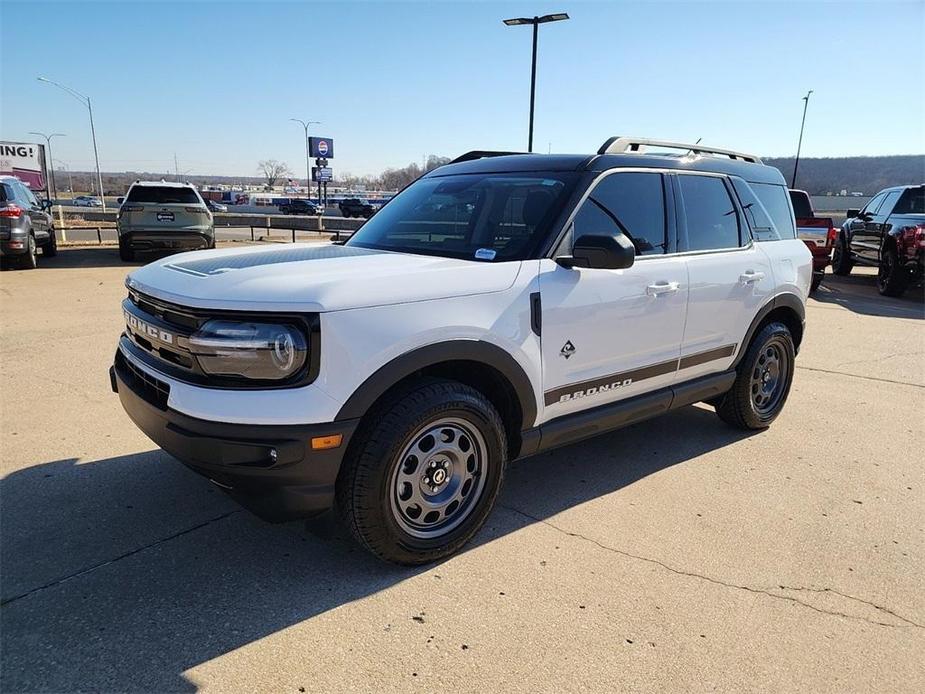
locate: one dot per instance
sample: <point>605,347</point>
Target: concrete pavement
<point>677,554</point>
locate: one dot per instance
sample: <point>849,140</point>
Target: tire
<point>30,260</point>
<point>125,252</point>
<point>891,278</point>
<point>817,280</point>
<point>763,380</point>
<point>411,497</point>
<point>50,249</point>
<point>841,259</point>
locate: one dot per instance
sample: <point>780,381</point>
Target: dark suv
<point>298,206</point>
<point>355,207</point>
<point>889,234</point>
<point>25,224</point>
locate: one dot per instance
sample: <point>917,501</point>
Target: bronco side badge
<point>568,349</point>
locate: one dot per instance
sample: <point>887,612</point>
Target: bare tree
<point>273,170</point>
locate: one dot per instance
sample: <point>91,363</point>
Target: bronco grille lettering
<point>147,330</point>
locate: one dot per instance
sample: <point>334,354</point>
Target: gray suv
<point>25,224</point>
<point>163,216</point>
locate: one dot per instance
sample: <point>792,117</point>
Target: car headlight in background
<point>260,351</point>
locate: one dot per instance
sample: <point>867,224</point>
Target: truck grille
<point>162,330</point>
<point>150,389</point>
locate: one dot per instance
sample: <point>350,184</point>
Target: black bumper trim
<point>237,457</point>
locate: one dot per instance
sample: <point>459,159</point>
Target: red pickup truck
<point>818,233</point>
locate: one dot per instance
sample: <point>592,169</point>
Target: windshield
<point>163,195</point>
<point>492,216</point>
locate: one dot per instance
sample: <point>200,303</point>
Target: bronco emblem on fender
<point>568,349</point>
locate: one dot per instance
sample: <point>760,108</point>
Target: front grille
<point>148,388</point>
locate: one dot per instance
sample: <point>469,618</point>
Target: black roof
<point>757,173</point>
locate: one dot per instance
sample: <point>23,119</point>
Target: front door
<point>612,334</point>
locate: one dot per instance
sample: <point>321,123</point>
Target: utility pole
<point>308,175</point>
<point>796,162</point>
<point>535,21</point>
<point>49,158</point>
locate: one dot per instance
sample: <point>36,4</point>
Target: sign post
<point>322,148</point>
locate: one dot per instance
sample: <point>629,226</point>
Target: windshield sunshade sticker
<point>485,254</point>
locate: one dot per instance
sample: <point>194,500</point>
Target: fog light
<point>321,443</point>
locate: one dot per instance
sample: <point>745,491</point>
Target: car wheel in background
<point>891,278</point>
<point>841,259</point>
<point>817,280</point>
<point>50,249</point>
<point>423,472</point>
<point>125,252</point>
<point>762,382</point>
<point>29,261</point>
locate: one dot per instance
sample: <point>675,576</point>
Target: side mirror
<point>600,251</point>
<point>47,205</point>
<point>853,213</point>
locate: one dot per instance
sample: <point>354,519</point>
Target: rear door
<point>730,276</point>
<point>611,334</point>
<point>171,208</point>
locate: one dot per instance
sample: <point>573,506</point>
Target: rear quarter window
<point>911,202</point>
<point>6,193</point>
<point>776,200</point>
<point>163,195</point>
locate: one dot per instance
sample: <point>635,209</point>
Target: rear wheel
<point>125,251</point>
<point>50,249</point>
<point>891,278</point>
<point>423,472</point>
<point>29,260</point>
<point>763,380</point>
<point>841,258</point>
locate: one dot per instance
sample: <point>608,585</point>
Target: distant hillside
<point>867,175</point>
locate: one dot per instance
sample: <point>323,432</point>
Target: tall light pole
<point>535,21</point>
<point>70,183</point>
<point>54,186</point>
<point>308,176</point>
<point>85,100</point>
<point>796,162</point>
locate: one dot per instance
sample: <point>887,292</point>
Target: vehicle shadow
<point>858,293</point>
<point>124,573</point>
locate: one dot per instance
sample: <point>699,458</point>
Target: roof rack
<point>481,154</point>
<point>624,145</point>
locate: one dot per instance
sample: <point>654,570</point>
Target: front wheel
<point>763,380</point>
<point>50,249</point>
<point>891,280</point>
<point>423,472</point>
<point>841,259</point>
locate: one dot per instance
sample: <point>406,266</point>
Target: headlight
<point>261,351</point>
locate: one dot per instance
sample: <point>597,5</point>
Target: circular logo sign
<point>323,148</point>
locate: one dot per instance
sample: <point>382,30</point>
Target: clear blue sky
<point>216,82</point>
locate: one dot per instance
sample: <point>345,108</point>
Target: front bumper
<point>298,483</point>
<point>157,239</point>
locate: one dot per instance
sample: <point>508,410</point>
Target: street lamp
<point>85,100</point>
<point>70,183</point>
<point>54,186</point>
<point>308,177</point>
<point>796,162</point>
<point>535,21</point>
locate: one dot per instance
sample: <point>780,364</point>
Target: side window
<point>776,201</point>
<point>760,222</point>
<point>631,203</point>
<point>712,220</point>
<point>871,207</point>
<point>26,195</point>
<point>888,203</point>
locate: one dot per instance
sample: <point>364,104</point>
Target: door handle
<point>662,288</point>
<point>750,276</point>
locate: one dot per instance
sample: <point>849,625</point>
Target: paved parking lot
<point>677,554</point>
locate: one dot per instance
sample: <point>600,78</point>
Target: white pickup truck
<point>499,306</point>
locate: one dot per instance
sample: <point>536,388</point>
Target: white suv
<point>500,306</point>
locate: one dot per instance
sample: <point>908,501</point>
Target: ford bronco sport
<point>501,305</point>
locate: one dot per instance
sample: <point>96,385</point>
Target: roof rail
<point>480,154</point>
<point>624,145</point>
